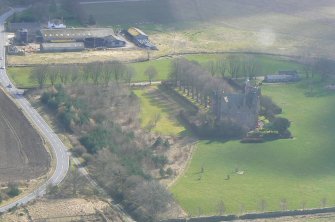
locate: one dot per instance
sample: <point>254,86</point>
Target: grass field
<point>278,27</point>
<point>270,64</point>
<point>297,171</point>
<point>153,103</point>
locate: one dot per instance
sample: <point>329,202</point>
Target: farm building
<point>139,38</point>
<point>62,47</point>
<point>74,34</point>
<point>56,24</point>
<point>90,37</point>
<point>108,42</point>
<point>21,36</point>
<point>31,27</point>
<point>282,76</point>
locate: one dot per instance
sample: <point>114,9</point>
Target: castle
<point>240,108</point>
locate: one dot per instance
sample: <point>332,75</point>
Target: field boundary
<point>173,55</point>
<point>250,216</point>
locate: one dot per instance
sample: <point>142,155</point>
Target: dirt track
<point>22,153</point>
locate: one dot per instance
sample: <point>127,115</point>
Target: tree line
<point>193,80</point>
<point>119,158</point>
<point>98,73</point>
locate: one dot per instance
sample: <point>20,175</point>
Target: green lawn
<point>21,77</point>
<point>298,170</point>
<point>270,64</point>
<point>153,102</point>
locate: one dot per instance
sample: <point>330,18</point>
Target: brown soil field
<point>64,210</point>
<point>22,152</point>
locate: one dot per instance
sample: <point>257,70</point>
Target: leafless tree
<point>212,67</point>
<point>262,205</point>
<point>96,71</point>
<point>221,207</point>
<point>53,73</point>
<point>234,65</point>
<point>39,75</point>
<point>153,197</point>
<point>107,73</point>
<point>221,66</point>
<point>64,74</point>
<point>76,180</point>
<point>118,70</point>
<point>74,73</point>
<point>129,74</point>
<point>251,67</point>
<point>283,204</point>
<point>151,72</point>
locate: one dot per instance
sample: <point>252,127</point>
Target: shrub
<point>280,124</point>
<point>78,151</point>
<point>95,140</point>
<point>157,143</point>
<point>269,108</point>
<point>159,160</point>
<point>88,158</point>
<point>169,171</point>
<point>161,172</point>
<point>13,190</point>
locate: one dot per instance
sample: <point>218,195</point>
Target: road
<point>59,150</point>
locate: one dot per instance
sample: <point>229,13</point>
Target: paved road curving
<point>59,150</point>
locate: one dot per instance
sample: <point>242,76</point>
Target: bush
<point>157,143</point>
<point>161,172</point>
<point>269,108</point>
<point>159,160</point>
<point>95,140</point>
<point>169,171</point>
<point>78,151</point>
<point>13,190</point>
<point>280,124</point>
<point>88,158</point>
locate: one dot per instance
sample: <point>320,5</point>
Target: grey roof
<point>65,45</point>
<point>75,33</point>
<point>287,72</point>
<point>31,26</point>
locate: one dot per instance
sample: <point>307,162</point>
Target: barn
<point>62,47</point>
<point>138,37</point>
<point>282,76</point>
<point>90,37</point>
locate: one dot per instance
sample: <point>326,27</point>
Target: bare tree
<point>221,208</point>
<point>53,73</point>
<point>211,66</point>
<point>74,73</point>
<point>233,66</point>
<point>262,205</point>
<point>118,70</point>
<point>251,67</point>
<point>96,71</point>
<point>151,72</point>
<point>107,73</point>
<point>64,74</point>
<point>153,197</point>
<point>129,74</point>
<point>76,181</point>
<point>39,75</point>
<point>283,204</point>
<point>221,67</point>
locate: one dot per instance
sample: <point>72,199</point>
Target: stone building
<point>242,108</point>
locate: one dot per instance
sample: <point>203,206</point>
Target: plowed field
<point>22,153</point>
